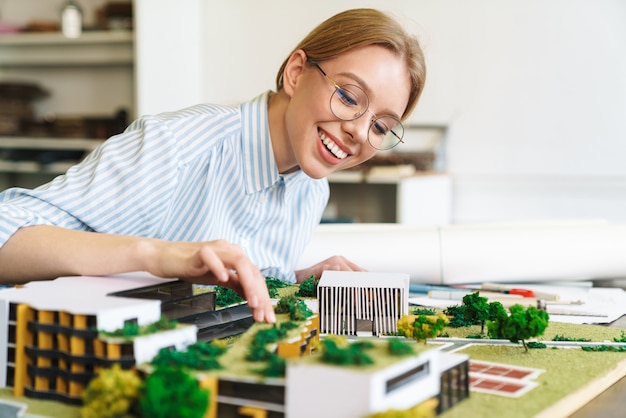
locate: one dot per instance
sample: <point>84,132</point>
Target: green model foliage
<point>522,324</point>
<point>172,392</point>
<point>497,311</point>
<point>618,349</point>
<point>476,309</point>
<point>257,351</point>
<point>622,338</point>
<point>111,394</point>
<point>273,284</point>
<point>558,337</point>
<point>421,327</point>
<point>428,327</point>
<point>132,329</point>
<point>334,352</point>
<point>456,313</point>
<point>274,367</point>
<point>225,296</point>
<point>423,311</point>
<point>198,356</point>
<point>296,308</point>
<point>308,288</point>
<point>398,347</point>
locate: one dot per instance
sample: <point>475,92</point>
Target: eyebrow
<point>359,81</point>
<point>356,78</point>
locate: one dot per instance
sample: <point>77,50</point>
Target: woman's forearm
<point>46,252</point>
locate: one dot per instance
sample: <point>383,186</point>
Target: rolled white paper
<point>477,253</point>
<point>391,248</point>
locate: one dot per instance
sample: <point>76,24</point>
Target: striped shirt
<point>202,173</point>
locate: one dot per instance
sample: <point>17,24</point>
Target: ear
<point>293,70</point>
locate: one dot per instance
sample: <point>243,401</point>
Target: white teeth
<point>333,148</point>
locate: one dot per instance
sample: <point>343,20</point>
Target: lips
<point>333,147</point>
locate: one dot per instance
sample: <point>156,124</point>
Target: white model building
<point>50,347</point>
<point>362,302</point>
<point>399,386</point>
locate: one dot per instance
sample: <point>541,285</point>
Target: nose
<point>358,128</point>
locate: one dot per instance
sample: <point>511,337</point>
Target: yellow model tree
<point>422,327</point>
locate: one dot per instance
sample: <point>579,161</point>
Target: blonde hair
<point>356,28</point>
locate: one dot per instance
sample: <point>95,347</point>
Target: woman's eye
<point>380,128</point>
<point>346,97</point>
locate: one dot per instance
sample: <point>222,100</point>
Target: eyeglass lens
<point>350,102</point>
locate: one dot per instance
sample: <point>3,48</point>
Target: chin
<point>316,172</point>
<point>317,175</point>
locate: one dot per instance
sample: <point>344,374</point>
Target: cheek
<point>294,124</point>
<point>302,117</point>
<point>367,152</point>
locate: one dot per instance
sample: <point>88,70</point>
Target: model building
<point>362,302</point>
<point>55,339</point>
<point>50,340</point>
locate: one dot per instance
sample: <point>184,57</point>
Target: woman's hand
<point>214,263</point>
<point>335,262</point>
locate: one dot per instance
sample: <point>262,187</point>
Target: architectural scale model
<point>51,347</point>
<point>54,338</point>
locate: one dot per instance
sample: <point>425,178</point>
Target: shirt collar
<point>260,168</point>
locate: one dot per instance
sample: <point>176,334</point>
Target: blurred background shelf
<point>62,97</point>
<point>29,162</point>
<point>420,199</point>
<point>108,48</point>
<point>85,144</point>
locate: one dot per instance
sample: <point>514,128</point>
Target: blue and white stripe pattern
<point>203,173</point>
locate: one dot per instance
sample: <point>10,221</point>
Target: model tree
<point>273,284</point>
<point>497,311</point>
<point>476,309</point>
<point>421,327</point>
<point>296,308</point>
<point>225,296</point>
<point>274,367</point>
<point>173,392</point>
<point>111,393</point>
<point>522,323</point>
<point>456,316</point>
<point>197,356</point>
<point>398,347</point>
<point>339,351</point>
<point>308,288</point>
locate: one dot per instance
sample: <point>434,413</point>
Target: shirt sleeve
<point>121,187</point>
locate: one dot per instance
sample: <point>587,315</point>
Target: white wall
<point>169,51</point>
<point>533,91</point>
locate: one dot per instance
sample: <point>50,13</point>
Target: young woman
<point>225,194</point>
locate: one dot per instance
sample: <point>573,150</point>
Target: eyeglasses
<point>350,102</point>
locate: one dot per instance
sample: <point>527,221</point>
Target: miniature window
<point>407,377</point>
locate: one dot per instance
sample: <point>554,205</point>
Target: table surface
<point>612,402</point>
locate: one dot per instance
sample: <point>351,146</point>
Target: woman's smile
<point>332,146</point>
